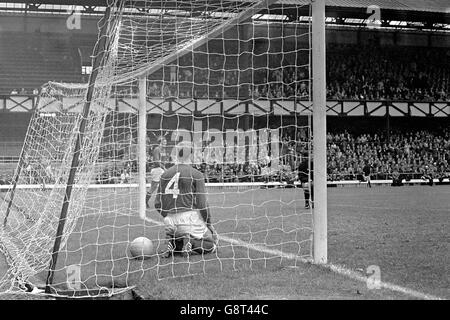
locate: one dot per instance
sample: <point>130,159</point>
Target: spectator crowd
<point>410,155</point>
<point>404,155</point>
<point>388,73</point>
<point>354,72</point>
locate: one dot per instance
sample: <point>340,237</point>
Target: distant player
<point>305,175</point>
<point>160,154</point>
<point>155,176</point>
<point>124,176</point>
<point>367,171</point>
<point>428,175</point>
<point>28,170</point>
<point>397,177</point>
<point>181,200</point>
<point>39,170</point>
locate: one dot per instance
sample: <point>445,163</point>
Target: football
<point>141,248</point>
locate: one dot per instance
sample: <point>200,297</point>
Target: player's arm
<point>158,201</point>
<point>202,204</point>
<point>200,199</point>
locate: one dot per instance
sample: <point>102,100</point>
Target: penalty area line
<point>334,268</point>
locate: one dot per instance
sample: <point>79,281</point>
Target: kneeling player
<point>187,233</point>
<point>181,200</point>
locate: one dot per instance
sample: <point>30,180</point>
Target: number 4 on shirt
<point>172,186</point>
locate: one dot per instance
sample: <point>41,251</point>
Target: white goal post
<point>319,130</point>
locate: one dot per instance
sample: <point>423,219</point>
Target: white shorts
<point>184,223</point>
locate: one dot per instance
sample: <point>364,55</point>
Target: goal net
<point>232,78</point>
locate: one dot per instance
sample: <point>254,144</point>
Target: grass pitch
<point>404,231</point>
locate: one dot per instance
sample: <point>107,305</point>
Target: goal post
<point>75,162</point>
<point>319,89</point>
<point>142,146</point>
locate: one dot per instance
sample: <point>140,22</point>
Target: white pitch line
<point>335,268</point>
<point>386,285</point>
<point>384,208</point>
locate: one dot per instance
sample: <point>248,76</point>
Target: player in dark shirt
<point>305,175</point>
<point>428,175</point>
<point>181,200</point>
<point>367,171</point>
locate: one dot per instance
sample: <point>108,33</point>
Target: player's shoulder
<point>189,171</point>
<point>170,171</point>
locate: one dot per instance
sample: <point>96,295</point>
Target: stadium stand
<point>355,72</point>
<point>390,72</point>
<point>13,128</point>
<point>407,153</point>
<point>28,60</point>
<point>368,72</point>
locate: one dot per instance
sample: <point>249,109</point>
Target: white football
<point>141,247</point>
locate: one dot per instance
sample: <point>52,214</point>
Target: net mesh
<point>212,70</point>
